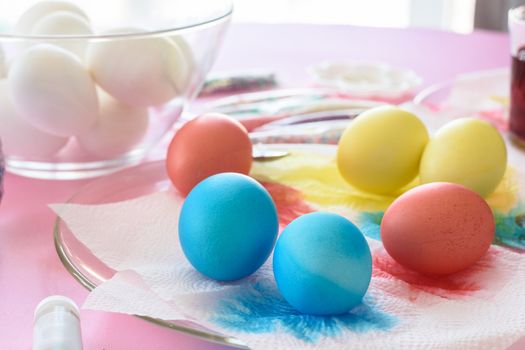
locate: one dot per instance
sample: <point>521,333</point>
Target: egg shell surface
<point>119,128</point>
<point>140,72</point>
<point>19,138</point>
<point>189,61</point>
<point>42,8</point>
<point>228,226</point>
<point>438,228</point>
<point>52,91</point>
<point>207,145</point>
<point>466,151</point>
<point>380,150</point>
<point>64,23</point>
<point>322,264</point>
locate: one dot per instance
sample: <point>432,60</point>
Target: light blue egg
<point>322,264</point>
<point>228,226</point>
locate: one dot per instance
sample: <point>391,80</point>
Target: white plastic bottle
<point>57,325</point>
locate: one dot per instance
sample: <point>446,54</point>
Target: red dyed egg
<point>205,146</point>
<point>438,228</point>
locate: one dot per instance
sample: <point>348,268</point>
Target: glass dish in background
<point>371,80</point>
<point>180,38</point>
<point>483,94</point>
<point>273,109</point>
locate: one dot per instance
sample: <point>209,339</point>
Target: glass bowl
<point>89,87</point>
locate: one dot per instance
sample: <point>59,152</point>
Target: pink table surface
<point>29,267</point>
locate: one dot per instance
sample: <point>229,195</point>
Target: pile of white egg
<point>95,92</point>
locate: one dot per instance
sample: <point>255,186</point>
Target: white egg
<point>64,23</point>
<point>189,59</point>
<point>19,138</point>
<point>33,14</point>
<point>51,90</point>
<point>119,128</point>
<point>140,72</point>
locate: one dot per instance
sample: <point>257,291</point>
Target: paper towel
<point>481,308</point>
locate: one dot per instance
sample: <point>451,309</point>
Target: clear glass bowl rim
<point>223,15</point>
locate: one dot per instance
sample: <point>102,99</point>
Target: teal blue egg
<point>322,264</point>
<point>228,226</point>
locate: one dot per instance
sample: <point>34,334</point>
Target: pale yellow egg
<point>51,90</point>
<point>118,129</point>
<point>140,72</point>
<point>64,23</point>
<point>467,151</point>
<point>26,21</point>
<point>380,150</point>
<point>20,138</point>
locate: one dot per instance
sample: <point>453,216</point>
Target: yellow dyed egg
<point>467,151</point>
<point>380,150</point>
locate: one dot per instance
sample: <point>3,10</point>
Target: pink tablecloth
<point>29,267</point>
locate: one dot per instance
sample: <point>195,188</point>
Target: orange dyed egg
<point>438,228</point>
<point>205,146</point>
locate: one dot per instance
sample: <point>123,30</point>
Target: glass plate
<point>482,94</point>
<point>127,184</point>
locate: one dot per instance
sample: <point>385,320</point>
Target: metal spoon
<point>261,154</point>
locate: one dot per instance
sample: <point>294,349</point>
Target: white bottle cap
<point>57,325</point>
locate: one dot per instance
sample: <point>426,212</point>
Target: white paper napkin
<point>481,308</point>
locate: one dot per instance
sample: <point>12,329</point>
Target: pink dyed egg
<point>207,145</point>
<point>438,228</point>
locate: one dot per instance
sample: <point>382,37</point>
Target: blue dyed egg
<point>228,226</point>
<point>322,264</point>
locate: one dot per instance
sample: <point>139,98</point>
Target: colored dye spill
<point>261,309</point>
<point>289,202</point>
<point>316,176</point>
<point>452,286</point>
<point>510,229</point>
<point>370,224</point>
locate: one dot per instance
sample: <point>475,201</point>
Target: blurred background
<point>460,16</point>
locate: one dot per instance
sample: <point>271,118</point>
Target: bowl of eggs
<point>90,87</point>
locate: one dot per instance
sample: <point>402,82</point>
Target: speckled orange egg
<point>205,146</point>
<point>438,228</point>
